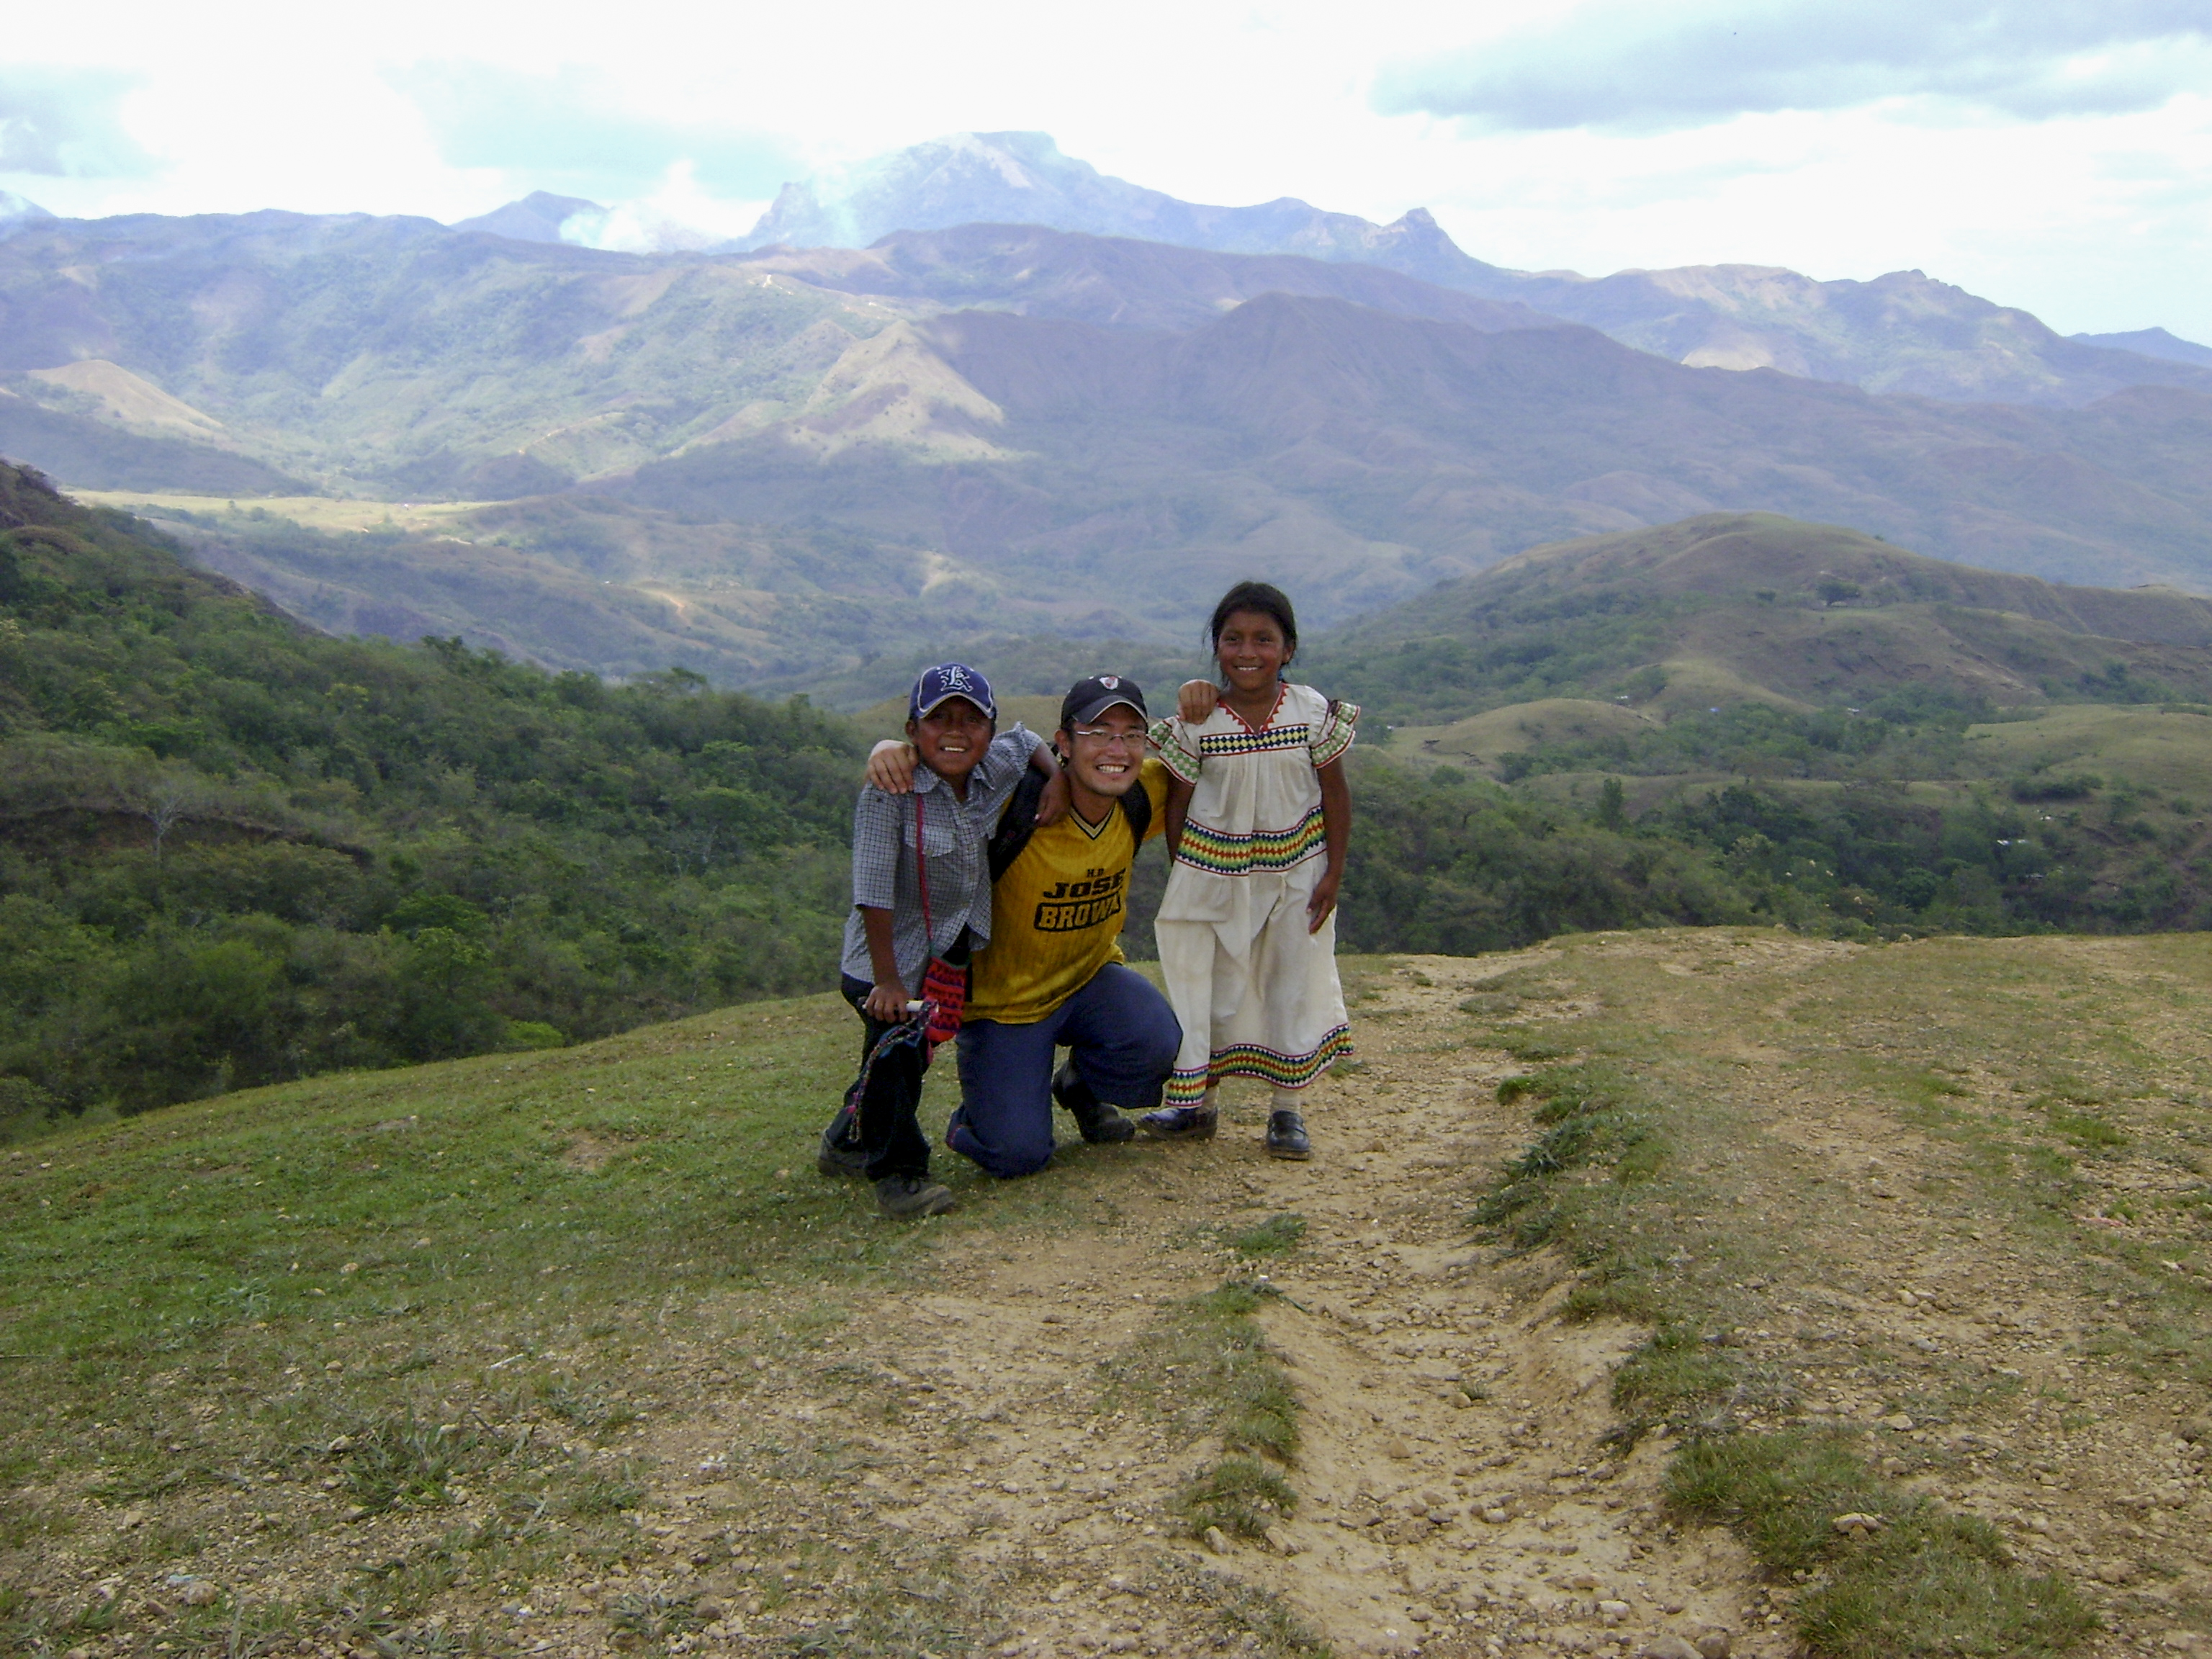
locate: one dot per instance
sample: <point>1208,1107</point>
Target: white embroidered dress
<point>1256,993</point>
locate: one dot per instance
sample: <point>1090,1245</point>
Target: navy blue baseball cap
<point>951,679</point>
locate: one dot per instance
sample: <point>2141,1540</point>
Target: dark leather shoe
<point>1098,1123</point>
<point>1178,1123</point>
<point>909,1197</point>
<point>1286,1136</point>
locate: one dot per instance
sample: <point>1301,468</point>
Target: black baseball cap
<point>1086,700</point>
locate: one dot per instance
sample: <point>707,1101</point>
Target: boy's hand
<point>1052,801</point>
<point>891,767</point>
<point>1195,701</point>
<point>887,1002</point>
<point>1322,902</point>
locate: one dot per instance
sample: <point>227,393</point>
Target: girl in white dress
<point>1258,819</point>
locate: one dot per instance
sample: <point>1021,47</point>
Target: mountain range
<point>977,474</point>
<point>1902,332</point>
<point>778,465</point>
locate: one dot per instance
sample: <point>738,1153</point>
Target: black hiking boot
<point>909,1197</point>
<point>1100,1124</point>
<point>1286,1136</point>
<point>840,1154</point>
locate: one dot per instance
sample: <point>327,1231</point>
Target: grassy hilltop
<point>1629,1263</point>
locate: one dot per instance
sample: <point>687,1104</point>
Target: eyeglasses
<point>1107,737</point>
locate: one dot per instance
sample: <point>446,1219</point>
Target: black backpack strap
<point>1137,807</point>
<point>1017,823</point>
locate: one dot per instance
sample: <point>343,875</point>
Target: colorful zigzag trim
<point>1276,1070</point>
<point>1219,852</point>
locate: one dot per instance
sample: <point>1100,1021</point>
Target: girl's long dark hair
<point>1263,597</point>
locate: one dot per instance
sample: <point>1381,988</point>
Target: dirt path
<point>1954,1196</point>
<point>1426,1519</point>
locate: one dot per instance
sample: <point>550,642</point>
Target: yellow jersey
<point>1056,914</point>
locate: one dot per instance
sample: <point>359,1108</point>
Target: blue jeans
<point>1122,1037</point>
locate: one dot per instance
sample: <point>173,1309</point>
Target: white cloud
<point>2089,206</point>
<point>576,129</point>
<point>66,122</point>
<point>1643,68</point>
<point>677,213</point>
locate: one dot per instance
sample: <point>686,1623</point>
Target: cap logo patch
<point>1111,682</point>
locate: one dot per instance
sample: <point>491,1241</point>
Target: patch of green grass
<point>2091,1132</point>
<point>598,1491</point>
<point>1925,1583</point>
<point>1240,1495</point>
<point>647,1616</point>
<point>1278,1234</point>
<point>1207,1367</point>
<point>1527,1048</point>
<point>396,1461</point>
<point>1673,1377</point>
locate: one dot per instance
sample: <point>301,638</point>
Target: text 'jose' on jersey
<point>1071,906</point>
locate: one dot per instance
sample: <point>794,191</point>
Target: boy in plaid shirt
<point>940,833</point>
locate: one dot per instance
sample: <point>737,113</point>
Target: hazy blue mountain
<point>968,474</point>
<point>1904,331</point>
<point>1364,456</point>
<point>394,354</point>
<point>2151,343</point>
<point>1022,178</point>
<point>1116,280</point>
<point>537,217</point>
<point>16,211</point>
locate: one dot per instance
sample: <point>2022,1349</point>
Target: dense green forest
<point>236,850</point>
<point>1453,862</point>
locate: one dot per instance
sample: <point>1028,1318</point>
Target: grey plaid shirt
<point>956,839</point>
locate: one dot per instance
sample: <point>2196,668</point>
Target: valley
<point>729,446</point>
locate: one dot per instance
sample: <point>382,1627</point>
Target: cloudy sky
<point>2050,153</point>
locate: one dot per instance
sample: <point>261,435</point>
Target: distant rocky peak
<point>1023,178</point>
<point>16,211</point>
<point>537,217</point>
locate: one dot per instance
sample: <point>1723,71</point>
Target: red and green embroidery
<point>1264,852</point>
<point>1275,1069</point>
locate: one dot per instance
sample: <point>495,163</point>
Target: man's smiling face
<point>1105,753</point>
<point>950,738</point>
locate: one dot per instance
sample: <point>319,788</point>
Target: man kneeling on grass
<point>1055,974</point>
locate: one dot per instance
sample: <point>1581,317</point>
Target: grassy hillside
<point>1724,606</point>
<point>1842,732</point>
<point>1604,1248</point>
<point>237,850</point>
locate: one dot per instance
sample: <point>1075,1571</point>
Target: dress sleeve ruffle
<point>1333,732</point>
<point>1178,753</point>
